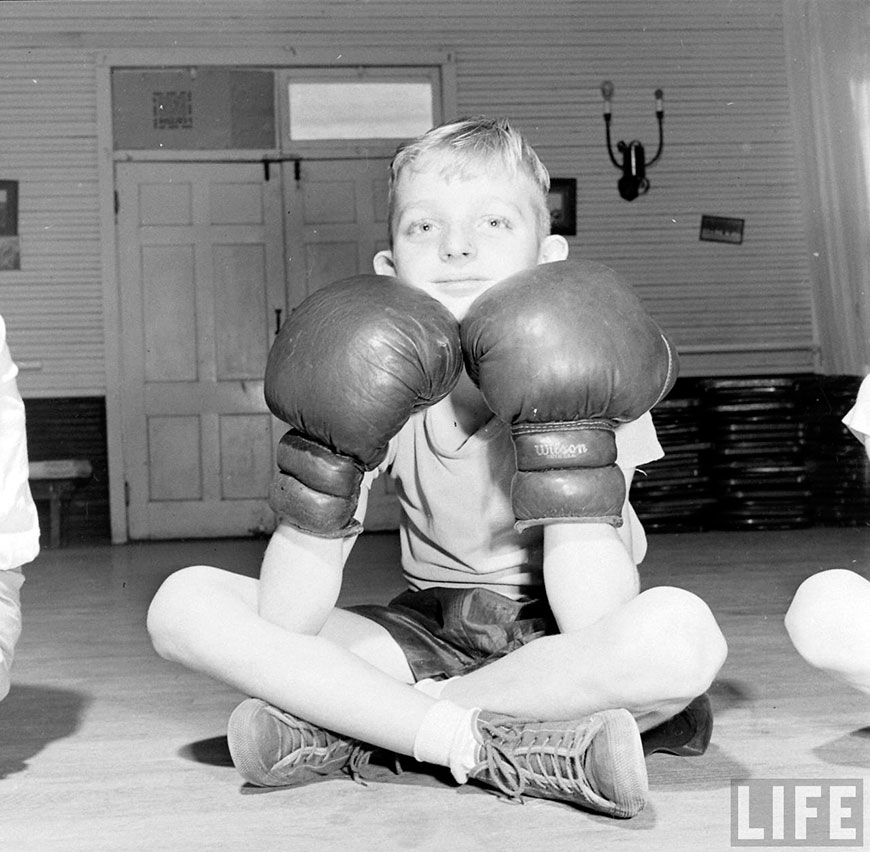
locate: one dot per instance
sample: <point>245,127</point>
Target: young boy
<point>828,620</point>
<point>19,525</point>
<point>504,633</point>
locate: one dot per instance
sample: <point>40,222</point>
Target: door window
<point>358,109</point>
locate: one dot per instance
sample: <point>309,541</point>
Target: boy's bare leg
<point>367,639</point>
<point>207,620</point>
<point>651,656</point>
<point>625,660</point>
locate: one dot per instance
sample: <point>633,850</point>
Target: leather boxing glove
<point>346,371</point>
<point>563,352</point>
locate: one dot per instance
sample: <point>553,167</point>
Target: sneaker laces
<point>551,759</point>
<point>359,760</point>
<point>360,757</point>
<point>322,746</point>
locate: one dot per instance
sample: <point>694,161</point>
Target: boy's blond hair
<point>468,144</point>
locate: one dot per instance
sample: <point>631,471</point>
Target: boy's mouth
<point>464,280</point>
<point>460,287</point>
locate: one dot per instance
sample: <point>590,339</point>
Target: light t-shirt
<point>458,528</point>
<point>857,420</point>
<point>19,524</point>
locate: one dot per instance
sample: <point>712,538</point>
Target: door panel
<point>169,313</point>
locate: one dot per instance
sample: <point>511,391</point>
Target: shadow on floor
<point>852,749</point>
<point>31,717</point>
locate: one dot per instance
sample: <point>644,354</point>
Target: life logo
<point>797,812</point>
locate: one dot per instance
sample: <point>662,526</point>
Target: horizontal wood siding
<point>728,150</point>
<point>53,305</point>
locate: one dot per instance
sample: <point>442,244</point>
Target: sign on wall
<point>205,108</point>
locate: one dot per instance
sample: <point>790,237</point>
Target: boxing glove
<point>346,371</point>
<point>564,352</point>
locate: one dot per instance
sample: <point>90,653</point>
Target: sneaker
<point>595,763</point>
<point>687,734</point>
<point>271,748</point>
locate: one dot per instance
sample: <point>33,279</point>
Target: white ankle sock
<point>446,737</point>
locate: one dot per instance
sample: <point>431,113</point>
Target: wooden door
<point>202,275</point>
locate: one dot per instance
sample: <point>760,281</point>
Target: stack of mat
<point>839,471</point>
<point>758,455</point>
<point>673,493</point>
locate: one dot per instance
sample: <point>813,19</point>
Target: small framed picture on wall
<point>8,208</point>
<point>10,256</point>
<point>562,201</point>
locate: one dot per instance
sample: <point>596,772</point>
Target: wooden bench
<point>55,480</point>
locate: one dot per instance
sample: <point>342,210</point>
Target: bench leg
<point>54,515</point>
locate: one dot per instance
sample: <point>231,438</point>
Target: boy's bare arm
<point>589,570</point>
<point>300,578</point>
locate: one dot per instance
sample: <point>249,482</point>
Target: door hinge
<point>117,202</point>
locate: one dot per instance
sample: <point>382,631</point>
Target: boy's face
<point>455,235</point>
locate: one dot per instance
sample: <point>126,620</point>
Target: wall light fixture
<point>633,181</point>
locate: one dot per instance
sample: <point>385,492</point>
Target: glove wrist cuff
<point>312,511</point>
<point>582,495</point>
<point>316,490</point>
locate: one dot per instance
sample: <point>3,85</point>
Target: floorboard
<point>103,746</point>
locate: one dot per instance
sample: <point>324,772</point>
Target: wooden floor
<point>103,746</point>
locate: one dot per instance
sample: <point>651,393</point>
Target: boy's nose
<point>456,244</point>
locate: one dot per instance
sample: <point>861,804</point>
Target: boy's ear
<point>554,247</point>
<point>383,263</point>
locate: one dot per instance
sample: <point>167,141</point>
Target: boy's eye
<point>496,222</point>
<point>420,227</point>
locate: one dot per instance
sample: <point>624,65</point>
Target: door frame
<point>271,57</point>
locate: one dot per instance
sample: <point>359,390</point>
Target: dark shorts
<point>447,632</point>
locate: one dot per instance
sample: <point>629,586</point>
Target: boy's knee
<point>826,614</point>
<point>691,644</point>
<point>172,608</point>
<point>826,594</point>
